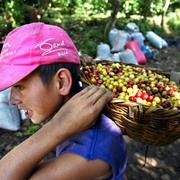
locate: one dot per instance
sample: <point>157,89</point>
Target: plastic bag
<point>9,114</point>
<point>138,36</point>
<point>103,51</point>
<point>156,40</point>
<point>132,27</point>
<point>115,57</point>
<point>112,36</point>
<point>134,46</point>
<point>127,56</point>
<point>148,52</point>
<point>121,39</point>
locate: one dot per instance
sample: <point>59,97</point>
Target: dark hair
<point>47,72</point>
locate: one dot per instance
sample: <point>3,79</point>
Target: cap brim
<point>11,74</point>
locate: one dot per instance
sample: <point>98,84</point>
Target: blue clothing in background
<point>103,141</point>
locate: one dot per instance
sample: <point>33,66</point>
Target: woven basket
<point>148,125</point>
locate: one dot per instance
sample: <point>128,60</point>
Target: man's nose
<point>14,98</point>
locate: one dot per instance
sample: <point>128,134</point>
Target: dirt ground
<point>162,163</point>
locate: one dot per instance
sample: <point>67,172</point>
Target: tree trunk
<point>164,11</point>
<point>112,22</point>
<point>146,9</point>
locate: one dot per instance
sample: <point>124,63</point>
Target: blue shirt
<point>103,141</point>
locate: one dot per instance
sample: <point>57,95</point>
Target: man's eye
<point>19,88</point>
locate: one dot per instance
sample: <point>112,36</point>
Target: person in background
<point>41,65</point>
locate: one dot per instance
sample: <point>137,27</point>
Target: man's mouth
<point>28,113</point>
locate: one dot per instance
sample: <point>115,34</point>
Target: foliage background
<point>88,21</point>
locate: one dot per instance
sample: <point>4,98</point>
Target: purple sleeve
<point>103,141</point>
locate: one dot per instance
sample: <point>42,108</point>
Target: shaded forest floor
<point>163,163</point>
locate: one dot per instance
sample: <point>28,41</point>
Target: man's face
<point>39,100</point>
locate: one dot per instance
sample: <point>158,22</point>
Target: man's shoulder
<point>107,124</point>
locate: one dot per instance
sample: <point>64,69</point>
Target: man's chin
<point>40,120</point>
<point>35,121</point>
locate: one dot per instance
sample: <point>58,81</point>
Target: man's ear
<point>63,80</point>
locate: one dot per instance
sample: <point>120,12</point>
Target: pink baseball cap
<point>31,45</point>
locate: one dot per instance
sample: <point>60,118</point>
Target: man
<point>41,64</point>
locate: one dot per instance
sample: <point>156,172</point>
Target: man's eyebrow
<point>17,85</point>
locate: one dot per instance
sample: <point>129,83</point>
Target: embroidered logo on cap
<point>7,50</point>
<point>48,47</point>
